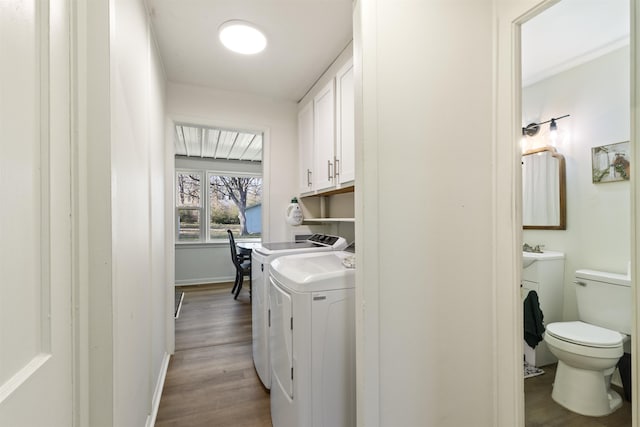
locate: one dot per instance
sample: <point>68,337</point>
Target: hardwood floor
<point>211,380</point>
<point>541,410</point>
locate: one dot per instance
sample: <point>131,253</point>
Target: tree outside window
<point>233,202</point>
<point>231,199</point>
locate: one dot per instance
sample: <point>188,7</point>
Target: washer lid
<point>316,271</point>
<point>585,334</point>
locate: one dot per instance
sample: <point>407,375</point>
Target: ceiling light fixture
<point>242,37</point>
<point>533,128</point>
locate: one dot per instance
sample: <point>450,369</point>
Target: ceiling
<point>304,38</point>
<point>199,141</point>
<point>572,32</point>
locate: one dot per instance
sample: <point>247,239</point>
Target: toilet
<point>588,350</point>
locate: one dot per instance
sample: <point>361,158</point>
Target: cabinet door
<point>305,147</point>
<point>345,125</point>
<point>324,133</point>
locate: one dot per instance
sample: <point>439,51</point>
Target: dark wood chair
<point>242,262</point>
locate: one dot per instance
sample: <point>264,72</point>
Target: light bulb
<point>242,37</point>
<point>553,132</point>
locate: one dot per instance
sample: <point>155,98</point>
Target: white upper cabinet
<point>345,125</point>
<point>324,137</point>
<point>305,148</point>
<point>326,134</point>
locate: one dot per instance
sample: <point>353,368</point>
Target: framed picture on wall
<point>610,163</point>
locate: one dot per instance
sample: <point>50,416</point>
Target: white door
<point>281,340</point>
<point>35,219</point>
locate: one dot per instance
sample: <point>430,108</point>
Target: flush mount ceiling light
<point>242,37</point>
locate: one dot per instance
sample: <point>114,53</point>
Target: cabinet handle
<point>308,177</point>
<point>329,176</point>
<point>336,171</point>
<point>577,282</point>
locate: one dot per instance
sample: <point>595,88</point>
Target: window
<point>235,203</point>
<point>189,206</point>
<point>232,202</point>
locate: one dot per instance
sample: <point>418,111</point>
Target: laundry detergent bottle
<point>294,213</point>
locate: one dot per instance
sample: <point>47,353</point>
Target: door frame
<point>508,112</point>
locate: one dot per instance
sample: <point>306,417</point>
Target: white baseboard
<point>205,281</point>
<point>157,394</point>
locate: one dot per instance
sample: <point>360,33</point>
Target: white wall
<point>278,121</point>
<point>161,296</point>
<point>432,85</point>
<point>425,210</point>
<point>125,214</point>
<point>596,94</point>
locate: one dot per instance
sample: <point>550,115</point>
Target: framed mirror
<point>543,190</point>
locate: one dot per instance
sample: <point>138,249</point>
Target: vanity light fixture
<point>533,128</point>
<point>242,37</point>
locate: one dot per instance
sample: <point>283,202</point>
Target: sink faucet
<point>536,249</point>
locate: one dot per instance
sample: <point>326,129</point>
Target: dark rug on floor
<point>178,303</point>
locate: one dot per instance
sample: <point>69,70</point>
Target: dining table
<point>245,248</point>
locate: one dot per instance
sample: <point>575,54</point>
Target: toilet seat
<point>580,333</point>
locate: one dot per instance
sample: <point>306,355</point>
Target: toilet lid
<point>585,334</point>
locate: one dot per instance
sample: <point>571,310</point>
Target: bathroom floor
<point>541,410</point>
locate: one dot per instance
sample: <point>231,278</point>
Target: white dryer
<point>261,258</point>
<point>312,299</point>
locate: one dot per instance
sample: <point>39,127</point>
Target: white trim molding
<point>157,394</point>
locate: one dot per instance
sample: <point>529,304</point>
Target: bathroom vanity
<point>543,273</point>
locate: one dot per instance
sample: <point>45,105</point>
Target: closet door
<point>35,220</point>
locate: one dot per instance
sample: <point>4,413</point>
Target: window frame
<point>177,208</point>
<point>205,208</point>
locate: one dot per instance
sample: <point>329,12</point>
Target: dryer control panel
<point>335,242</point>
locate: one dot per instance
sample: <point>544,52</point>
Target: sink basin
<point>529,258</point>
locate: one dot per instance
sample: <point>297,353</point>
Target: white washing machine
<point>312,299</point>
<point>261,258</point>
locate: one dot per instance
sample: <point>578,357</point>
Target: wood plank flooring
<point>211,380</point>
<point>541,410</point>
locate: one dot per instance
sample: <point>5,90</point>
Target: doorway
<point>572,72</point>
<point>218,176</point>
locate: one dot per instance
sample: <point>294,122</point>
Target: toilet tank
<point>604,299</point>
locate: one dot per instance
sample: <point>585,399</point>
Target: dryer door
<point>281,339</point>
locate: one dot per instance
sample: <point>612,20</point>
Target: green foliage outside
<point>224,215</point>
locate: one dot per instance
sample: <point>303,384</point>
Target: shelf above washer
<point>326,220</point>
